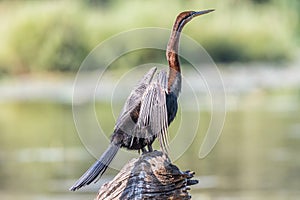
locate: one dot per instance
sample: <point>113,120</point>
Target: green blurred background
<point>255,44</point>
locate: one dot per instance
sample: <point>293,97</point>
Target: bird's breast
<point>172,106</point>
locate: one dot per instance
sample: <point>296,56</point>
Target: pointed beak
<point>197,13</point>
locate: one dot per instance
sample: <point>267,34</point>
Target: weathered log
<point>151,176</point>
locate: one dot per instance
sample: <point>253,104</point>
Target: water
<point>256,157</point>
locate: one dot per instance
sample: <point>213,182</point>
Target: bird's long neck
<point>174,80</point>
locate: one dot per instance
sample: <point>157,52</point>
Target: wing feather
<point>124,121</point>
<point>153,118</point>
<point>149,96</point>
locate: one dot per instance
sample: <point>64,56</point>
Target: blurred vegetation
<point>52,36</point>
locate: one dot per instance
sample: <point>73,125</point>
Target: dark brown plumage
<point>149,109</point>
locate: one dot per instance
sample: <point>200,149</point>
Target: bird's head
<point>187,16</point>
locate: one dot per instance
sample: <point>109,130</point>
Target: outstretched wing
<point>153,118</point>
<point>126,121</point>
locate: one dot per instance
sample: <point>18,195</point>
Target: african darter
<point>149,109</point>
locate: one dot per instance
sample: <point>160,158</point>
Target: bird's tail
<point>98,168</point>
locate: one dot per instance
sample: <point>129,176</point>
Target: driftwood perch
<point>151,176</point>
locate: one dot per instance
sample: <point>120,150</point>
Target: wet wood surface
<point>151,176</point>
